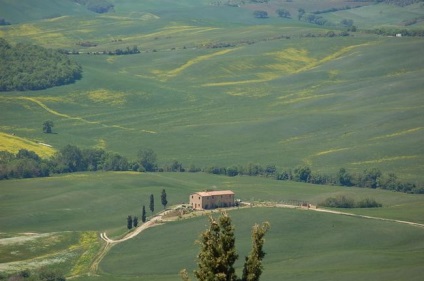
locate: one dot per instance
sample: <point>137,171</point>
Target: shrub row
<point>342,201</point>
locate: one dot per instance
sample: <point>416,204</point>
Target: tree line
<point>97,6</point>
<point>69,159</point>
<point>368,178</point>
<point>30,67</point>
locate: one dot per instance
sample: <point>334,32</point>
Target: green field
<point>301,244</point>
<point>213,85</point>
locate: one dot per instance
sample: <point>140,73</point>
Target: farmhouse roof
<point>214,193</point>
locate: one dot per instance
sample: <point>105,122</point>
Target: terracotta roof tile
<point>215,193</point>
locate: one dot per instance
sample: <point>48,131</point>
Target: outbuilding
<point>205,200</point>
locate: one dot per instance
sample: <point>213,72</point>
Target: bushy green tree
<point>344,178</point>
<point>302,173</point>
<point>260,14</point>
<point>47,127</point>
<point>147,159</point>
<point>284,13</point>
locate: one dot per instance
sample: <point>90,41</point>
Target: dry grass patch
<point>108,97</point>
<point>13,144</point>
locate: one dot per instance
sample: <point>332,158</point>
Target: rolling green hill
<point>213,85</point>
<point>66,213</point>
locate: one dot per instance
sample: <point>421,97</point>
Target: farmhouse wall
<point>212,199</point>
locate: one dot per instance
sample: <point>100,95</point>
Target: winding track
<point>156,220</point>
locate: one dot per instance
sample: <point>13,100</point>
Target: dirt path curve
<point>368,217</point>
<point>155,221</point>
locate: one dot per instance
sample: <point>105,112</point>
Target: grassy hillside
<point>299,246</point>
<point>67,211</point>
<point>102,201</point>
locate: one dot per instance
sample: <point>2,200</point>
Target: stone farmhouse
<point>212,199</point>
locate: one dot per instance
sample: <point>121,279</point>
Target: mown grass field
<point>67,211</point>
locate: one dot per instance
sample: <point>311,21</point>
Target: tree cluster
<point>24,164</point>
<point>332,10</point>
<point>4,22</point>
<point>342,201</point>
<point>401,3</point>
<point>27,164</point>
<point>97,6</point>
<point>218,253</point>
<point>30,67</point>
<point>393,31</point>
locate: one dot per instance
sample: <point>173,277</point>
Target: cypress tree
<point>218,253</point>
<point>253,267</point>
<point>143,214</point>
<point>152,203</point>
<point>163,198</point>
<point>135,221</point>
<point>129,222</point>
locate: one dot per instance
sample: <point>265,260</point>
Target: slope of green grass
<point>300,244</point>
<point>331,103</point>
<point>102,201</point>
<point>28,10</point>
<point>382,15</point>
